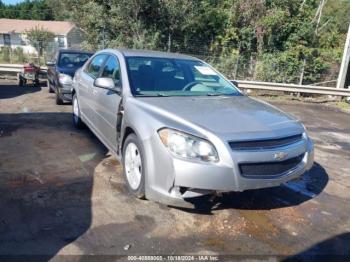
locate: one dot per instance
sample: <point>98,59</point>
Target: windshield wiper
<point>221,94</point>
<point>215,94</point>
<point>155,95</point>
<point>161,94</point>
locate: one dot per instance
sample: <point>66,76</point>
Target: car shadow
<point>290,194</point>
<point>11,89</point>
<point>336,248</point>
<point>46,178</point>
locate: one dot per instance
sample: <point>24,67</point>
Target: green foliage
<point>35,10</point>
<point>263,39</point>
<point>18,52</point>
<point>39,38</point>
<point>5,51</point>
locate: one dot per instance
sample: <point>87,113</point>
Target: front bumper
<point>172,179</point>
<point>65,92</point>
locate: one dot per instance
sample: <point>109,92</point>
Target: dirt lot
<point>62,193</point>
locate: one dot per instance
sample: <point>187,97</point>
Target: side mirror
<point>107,83</point>
<point>235,83</point>
<point>50,63</point>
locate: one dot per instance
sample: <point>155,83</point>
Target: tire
<point>77,122</point>
<point>49,86</point>
<point>59,100</point>
<point>134,166</point>
<point>20,82</point>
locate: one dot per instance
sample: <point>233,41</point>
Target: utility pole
<point>169,42</point>
<point>302,72</point>
<point>345,63</point>
<point>319,14</point>
<point>103,37</point>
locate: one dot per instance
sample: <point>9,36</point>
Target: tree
<point>35,10</point>
<point>39,38</point>
<point>244,37</point>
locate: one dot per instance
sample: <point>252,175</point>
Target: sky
<point>11,2</point>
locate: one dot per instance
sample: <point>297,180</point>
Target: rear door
<point>107,103</point>
<point>87,92</point>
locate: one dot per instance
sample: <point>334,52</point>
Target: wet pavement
<point>62,193</point>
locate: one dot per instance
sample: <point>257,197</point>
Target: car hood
<point>232,116</point>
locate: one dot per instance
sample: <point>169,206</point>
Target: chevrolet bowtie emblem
<point>280,155</point>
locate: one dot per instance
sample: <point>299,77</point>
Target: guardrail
<point>9,68</point>
<point>309,89</point>
<point>293,88</point>
<point>15,68</point>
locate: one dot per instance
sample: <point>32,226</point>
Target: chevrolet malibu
<point>182,130</point>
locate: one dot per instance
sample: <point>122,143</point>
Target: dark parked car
<point>61,71</point>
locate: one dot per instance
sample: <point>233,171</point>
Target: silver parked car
<point>182,130</point>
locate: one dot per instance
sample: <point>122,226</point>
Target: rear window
<point>71,60</point>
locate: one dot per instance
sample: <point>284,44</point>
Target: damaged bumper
<point>175,180</point>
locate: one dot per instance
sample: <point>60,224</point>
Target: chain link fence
<point>273,67</point>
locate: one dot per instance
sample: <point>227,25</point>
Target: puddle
<point>86,157</point>
<point>300,187</point>
<point>260,227</point>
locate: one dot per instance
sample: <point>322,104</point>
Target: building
<point>13,34</point>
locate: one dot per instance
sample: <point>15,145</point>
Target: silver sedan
<point>182,130</point>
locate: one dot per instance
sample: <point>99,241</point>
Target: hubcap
<point>75,110</point>
<point>133,165</point>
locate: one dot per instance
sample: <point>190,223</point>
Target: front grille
<point>269,169</point>
<point>265,143</point>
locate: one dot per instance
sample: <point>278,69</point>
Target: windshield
<point>71,60</point>
<point>175,77</point>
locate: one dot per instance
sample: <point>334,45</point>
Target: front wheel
<point>50,87</point>
<point>77,122</point>
<point>59,100</point>
<point>134,166</point>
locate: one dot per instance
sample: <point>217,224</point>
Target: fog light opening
<point>183,190</point>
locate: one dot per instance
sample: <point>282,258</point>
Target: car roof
<point>149,53</point>
<point>75,51</point>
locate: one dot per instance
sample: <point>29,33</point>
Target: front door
<point>107,103</point>
<point>87,90</point>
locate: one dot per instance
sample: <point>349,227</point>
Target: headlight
<point>65,79</point>
<point>305,134</point>
<point>188,146</point>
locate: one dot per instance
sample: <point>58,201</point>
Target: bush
<point>6,54</point>
<point>19,55</point>
<point>283,67</point>
<point>225,64</point>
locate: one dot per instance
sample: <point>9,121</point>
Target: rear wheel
<point>77,122</point>
<point>20,82</point>
<point>134,166</point>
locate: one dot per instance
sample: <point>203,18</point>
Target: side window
<point>95,65</point>
<point>112,70</point>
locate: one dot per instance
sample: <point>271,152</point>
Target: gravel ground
<point>62,193</point>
